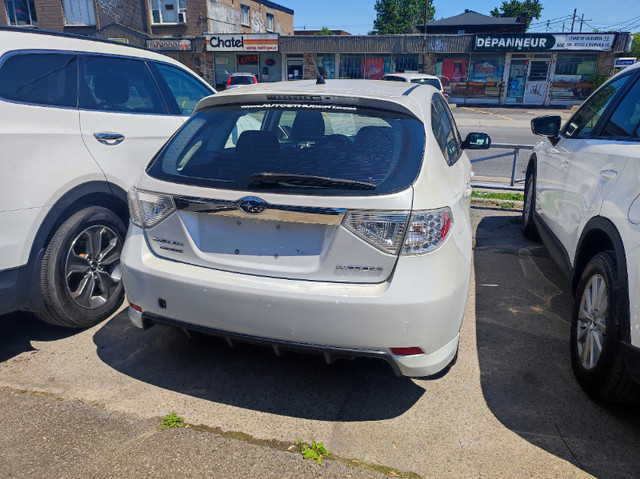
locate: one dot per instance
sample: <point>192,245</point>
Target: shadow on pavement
<point>253,377</point>
<point>20,328</point>
<point>523,308</point>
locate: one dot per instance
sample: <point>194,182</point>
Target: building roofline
<point>275,6</point>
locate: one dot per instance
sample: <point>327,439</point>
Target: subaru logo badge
<point>252,205</point>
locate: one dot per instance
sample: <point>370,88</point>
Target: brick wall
<point>225,15</point>
<point>49,15</point>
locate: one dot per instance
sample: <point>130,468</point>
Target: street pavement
<point>88,403</point>
<point>504,126</point>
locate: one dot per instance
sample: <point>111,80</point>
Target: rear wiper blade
<point>293,179</point>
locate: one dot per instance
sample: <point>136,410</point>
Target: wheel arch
<point>95,193</point>
<point>599,235</point>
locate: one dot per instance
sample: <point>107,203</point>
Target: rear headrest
<point>257,142</point>
<point>308,126</point>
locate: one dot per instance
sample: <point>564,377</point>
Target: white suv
<point>79,118</point>
<point>582,197</point>
<point>326,217</point>
<point>419,78</point>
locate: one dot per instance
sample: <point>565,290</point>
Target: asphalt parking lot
<point>88,403</point>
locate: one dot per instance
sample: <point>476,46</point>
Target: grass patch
<point>171,421</point>
<point>508,205</point>
<point>315,451</point>
<point>497,196</point>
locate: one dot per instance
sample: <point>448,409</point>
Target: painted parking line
<point>487,113</point>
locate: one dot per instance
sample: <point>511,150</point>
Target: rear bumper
<point>422,306</point>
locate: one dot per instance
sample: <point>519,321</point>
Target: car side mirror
<point>548,126</point>
<point>476,141</point>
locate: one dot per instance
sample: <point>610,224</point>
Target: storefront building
<point>503,69</point>
<point>528,69</point>
<point>494,69</point>
<point>251,53</point>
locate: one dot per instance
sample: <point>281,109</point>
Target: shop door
<point>294,69</point>
<point>517,80</point>
<point>537,82</point>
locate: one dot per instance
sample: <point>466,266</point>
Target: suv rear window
<point>241,80</point>
<point>41,78</point>
<point>428,81</point>
<point>331,150</point>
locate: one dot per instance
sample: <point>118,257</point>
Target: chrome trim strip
<point>286,213</point>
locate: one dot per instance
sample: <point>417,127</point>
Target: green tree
<point>395,17</point>
<point>513,8</point>
<point>635,48</point>
<point>324,31</point>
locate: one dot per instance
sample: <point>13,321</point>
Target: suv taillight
<point>409,234</point>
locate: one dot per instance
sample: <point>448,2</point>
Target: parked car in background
<point>240,79</point>
<point>80,119</point>
<point>336,221</point>
<point>582,197</point>
<point>419,78</point>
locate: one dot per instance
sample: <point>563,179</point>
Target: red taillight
<point>229,81</point>
<point>255,80</point>
<point>446,226</point>
<point>136,307</point>
<point>406,351</point>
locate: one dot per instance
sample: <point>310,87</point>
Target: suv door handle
<point>608,174</point>
<point>107,138</point>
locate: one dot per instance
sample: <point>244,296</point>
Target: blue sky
<point>356,16</point>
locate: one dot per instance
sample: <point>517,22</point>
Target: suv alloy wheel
<point>596,353</point>
<point>81,281</point>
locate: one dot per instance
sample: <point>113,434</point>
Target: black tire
<point>596,351</point>
<point>529,229</point>
<point>80,276</point>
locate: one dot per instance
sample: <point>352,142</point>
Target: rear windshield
<point>241,80</point>
<point>428,81</point>
<point>312,149</point>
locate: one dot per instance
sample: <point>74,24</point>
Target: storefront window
<point>404,63</point>
<point>453,73</point>
<point>270,67</point>
<point>485,76</point>
<point>328,62</point>
<point>573,78</point>
<point>352,66</point>
<point>376,66</point>
<point>224,64</point>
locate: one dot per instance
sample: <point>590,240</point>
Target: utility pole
<point>424,37</point>
<point>581,22</point>
<point>574,19</point>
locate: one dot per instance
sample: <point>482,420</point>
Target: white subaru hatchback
<point>332,218</point>
<point>582,198</point>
